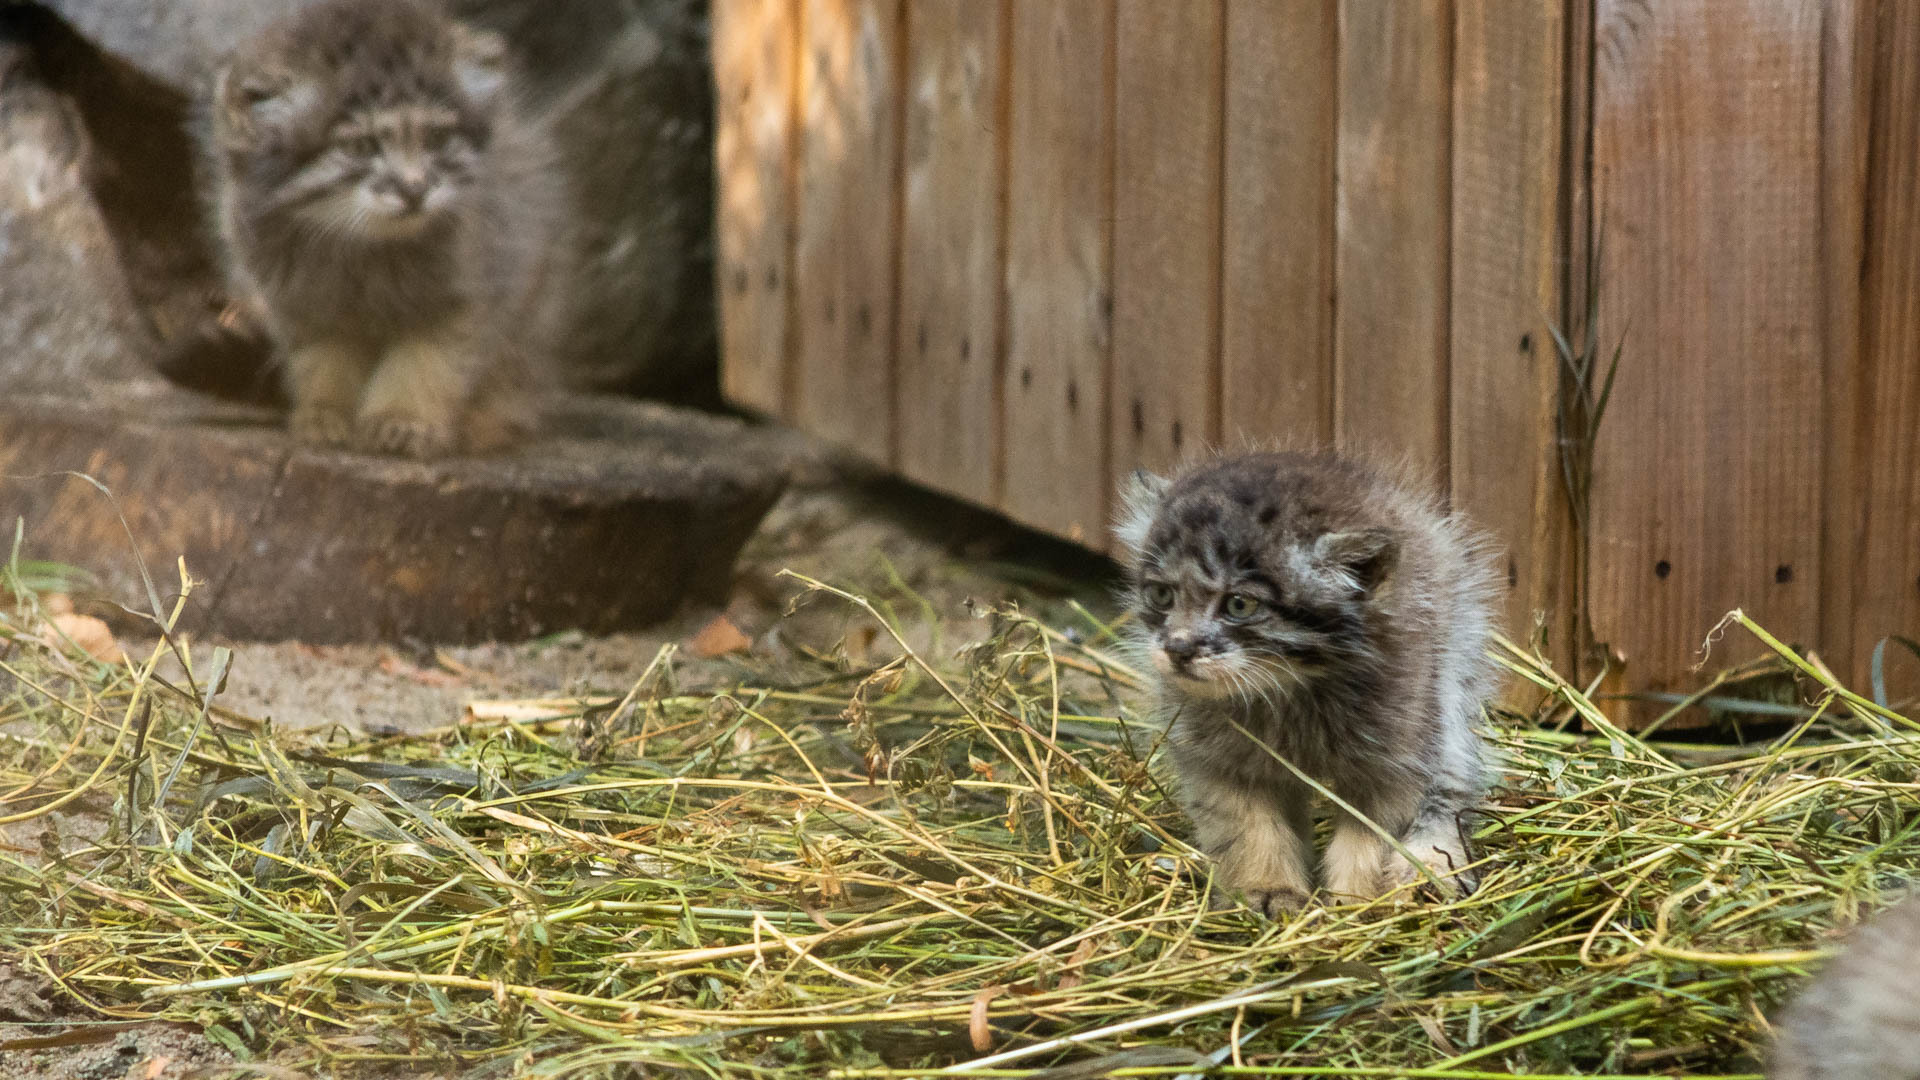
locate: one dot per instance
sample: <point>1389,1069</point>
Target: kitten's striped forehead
<point>1212,537</point>
<point>397,122</point>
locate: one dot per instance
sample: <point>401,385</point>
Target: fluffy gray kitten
<point>1342,619</point>
<point>391,219</point>
<point>1860,1018</point>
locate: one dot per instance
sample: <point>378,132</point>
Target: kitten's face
<point>388,172</point>
<point>1241,592</point>
<point>379,137</point>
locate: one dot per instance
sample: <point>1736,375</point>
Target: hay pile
<point>959,865</point>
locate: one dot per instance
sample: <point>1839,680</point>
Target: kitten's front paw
<point>404,435</point>
<point>1277,901</point>
<point>320,425</point>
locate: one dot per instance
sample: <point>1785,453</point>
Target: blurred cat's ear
<point>1140,496</point>
<point>479,63</point>
<point>253,100</point>
<point>1364,557</point>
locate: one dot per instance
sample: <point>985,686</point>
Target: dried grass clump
<point>923,867</point>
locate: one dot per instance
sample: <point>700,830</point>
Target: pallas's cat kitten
<point>1860,1017</point>
<point>388,214</point>
<point>1341,619</point>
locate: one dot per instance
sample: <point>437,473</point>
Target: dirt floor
<point>931,560</point>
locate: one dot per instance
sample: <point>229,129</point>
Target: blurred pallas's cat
<point>384,209</point>
<point>1860,1018</point>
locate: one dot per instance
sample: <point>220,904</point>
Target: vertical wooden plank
<point>1390,344</point>
<point>754,43</point>
<point>1887,585</point>
<point>1707,184</point>
<point>1847,62</point>
<point>948,344</point>
<point>1508,76</point>
<point>1577,235</point>
<point>848,220</point>
<point>1276,364</point>
<point>1059,279</point>
<point>1166,240</point>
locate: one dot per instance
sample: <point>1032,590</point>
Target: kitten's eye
<point>1158,596</point>
<point>1242,606</point>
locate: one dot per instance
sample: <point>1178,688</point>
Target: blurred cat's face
<point>388,172</point>
<point>381,142</point>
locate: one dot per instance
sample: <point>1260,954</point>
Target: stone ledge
<point>627,511</point>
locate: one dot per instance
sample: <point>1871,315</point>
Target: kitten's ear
<point>1140,496</point>
<point>479,63</point>
<point>1364,556</point>
<point>252,100</point>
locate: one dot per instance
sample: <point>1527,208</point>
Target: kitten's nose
<point>411,185</point>
<point>1181,649</point>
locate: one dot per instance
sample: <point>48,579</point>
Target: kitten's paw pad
<point>1276,902</point>
<point>320,426</point>
<point>404,435</point>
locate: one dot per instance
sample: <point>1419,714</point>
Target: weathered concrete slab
<point>626,512</point>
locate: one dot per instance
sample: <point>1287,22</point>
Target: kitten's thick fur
<point>383,206</point>
<point>1860,1017</point>
<point>1342,619</point>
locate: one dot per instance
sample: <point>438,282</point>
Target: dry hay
<point>923,864</point>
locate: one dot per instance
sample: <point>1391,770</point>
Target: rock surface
<point>628,511</point>
<point>624,82</point>
<point>68,312</point>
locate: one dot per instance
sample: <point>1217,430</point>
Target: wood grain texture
<point>1577,236</point>
<point>1059,274</point>
<point>848,220</point>
<point>1847,62</point>
<point>1507,253</point>
<point>1276,362</point>
<point>1887,593</point>
<point>1166,240</point>
<point>755,48</point>
<point>1707,184</point>
<point>948,345</point>
<point>1393,208</point>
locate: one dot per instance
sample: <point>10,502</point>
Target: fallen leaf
<point>57,603</point>
<point>1082,953</point>
<point>718,638</point>
<point>87,632</point>
<point>977,1028</point>
<point>151,1069</point>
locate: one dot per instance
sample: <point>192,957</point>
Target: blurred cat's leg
<point>324,380</point>
<point>418,395</point>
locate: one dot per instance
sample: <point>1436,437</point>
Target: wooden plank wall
<point>1508,260</point>
<point>847,223</point>
<point>755,50</point>
<point>1059,280</point>
<point>1016,248</point>
<point>948,348</point>
<point>1166,213</point>
<point>1886,582</point>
